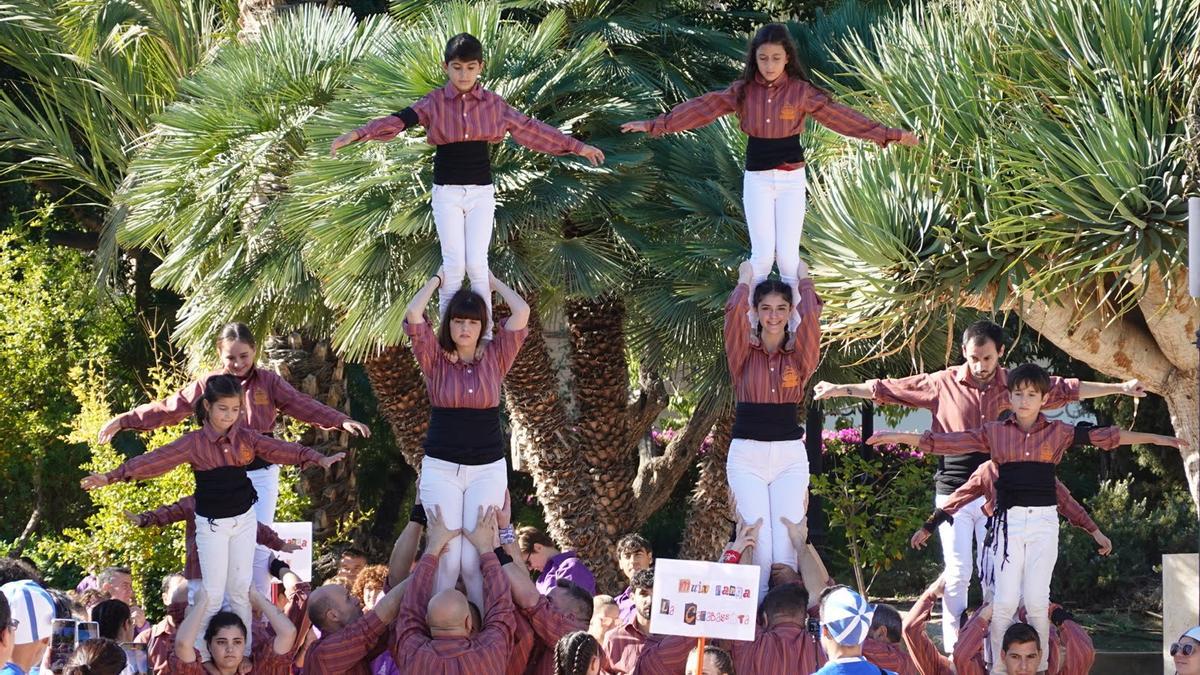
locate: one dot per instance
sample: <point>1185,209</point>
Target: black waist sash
<point>465,435</point>
<point>463,163</point>
<point>1025,484</point>
<point>763,154</point>
<point>767,422</point>
<point>223,492</point>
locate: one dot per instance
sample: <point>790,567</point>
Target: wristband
<point>939,516</point>
<point>502,555</point>
<point>417,515</point>
<point>507,535</point>
<point>277,567</point>
<point>731,556</point>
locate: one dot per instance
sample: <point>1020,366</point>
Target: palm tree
<point>1049,184</point>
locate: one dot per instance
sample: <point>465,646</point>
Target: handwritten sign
<point>300,560</point>
<point>704,599</point>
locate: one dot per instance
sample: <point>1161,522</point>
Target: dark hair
<point>720,658</point>
<point>5,612</point>
<point>217,387</point>
<point>643,579</point>
<point>888,617</point>
<point>15,569</point>
<point>772,34</point>
<point>99,656</point>
<point>464,304</point>
<point>236,332</point>
<point>352,552</point>
<point>1020,633</point>
<point>767,287</point>
<point>983,331</point>
<point>1031,375</point>
<point>223,620</point>
<point>573,653</point>
<point>785,600</point>
<point>463,47</point>
<point>632,543</point>
<point>529,535</point>
<point>111,615</point>
<point>64,606</point>
<point>579,597</point>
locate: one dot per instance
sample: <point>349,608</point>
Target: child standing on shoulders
<point>219,453</point>
<point>461,119</point>
<point>1024,530</point>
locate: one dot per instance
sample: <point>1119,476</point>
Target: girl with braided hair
<point>577,653</point>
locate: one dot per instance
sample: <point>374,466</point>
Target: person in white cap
<point>1186,652</point>
<point>32,611</point>
<point>845,625</point>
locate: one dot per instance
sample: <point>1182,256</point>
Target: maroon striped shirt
<point>775,110</point>
<point>782,648</point>
<point>184,511</point>
<point>485,653</point>
<point>264,395</point>
<point>1006,442</point>
<point>957,402</point>
<point>888,656</point>
<point>982,483</point>
<point>782,377</point>
<point>549,625</point>
<point>160,643</point>
<point>629,650</point>
<point>924,653</point>
<point>350,650</point>
<point>450,116</point>
<point>1078,651</point>
<point>454,384</point>
<point>263,661</point>
<point>205,449</point>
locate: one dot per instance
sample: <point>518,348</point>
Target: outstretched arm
<point>1140,438</point>
<point>404,552</point>
<point>1133,388</point>
<point>823,390</point>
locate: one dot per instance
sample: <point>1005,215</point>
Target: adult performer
<point>266,394</point>
<point>463,468</point>
<point>768,463</point>
<point>962,398</point>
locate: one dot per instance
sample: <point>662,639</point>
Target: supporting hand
<point>797,532</point>
<point>484,537</point>
<point>342,141</point>
<point>1133,388</point>
<point>909,138</point>
<point>437,535</point>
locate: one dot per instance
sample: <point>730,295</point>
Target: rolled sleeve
<point>424,344</point>
<point>1105,438</point>
<point>1063,390</point>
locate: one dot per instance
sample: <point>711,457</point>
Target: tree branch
<point>657,477</point>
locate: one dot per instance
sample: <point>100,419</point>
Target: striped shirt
<point>629,650</point>
<point>206,449</point>
<point>264,395</point>
<point>454,384</point>
<point>263,661</point>
<point>889,657</point>
<point>929,660</point>
<point>1077,657</point>
<point>484,653</point>
<point>1045,442</point>
<point>782,377</point>
<point>525,649</point>
<point>549,625</point>
<point>773,110</point>
<point>350,650</point>
<point>184,511</point>
<point>782,648</point>
<point>160,641</point>
<point>982,483</point>
<point>451,116</point>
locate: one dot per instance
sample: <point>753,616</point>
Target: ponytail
<point>236,332</point>
<point>100,656</point>
<point>217,387</point>
<point>574,652</point>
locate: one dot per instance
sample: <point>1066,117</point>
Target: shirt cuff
<point>926,442</point>
<point>1072,385</point>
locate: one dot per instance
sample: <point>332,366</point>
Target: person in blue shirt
<point>27,630</point>
<point>845,625</point>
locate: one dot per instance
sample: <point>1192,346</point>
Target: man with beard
<point>632,648</point>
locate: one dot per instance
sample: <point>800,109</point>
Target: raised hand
<point>919,538</point>
<point>797,532</point>
<point>637,126</point>
<point>823,390</point>
<point>484,537</point>
<point>747,535</point>
<point>330,460</point>
<point>437,535</point>
<point>893,438</point>
<point>289,547</point>
<point>109,430</point>
<point>357,428</point>
<point>132,517</point>
<point>93,480</point>
<point>504,515</point>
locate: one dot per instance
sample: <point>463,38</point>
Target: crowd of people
<point>458,595</point>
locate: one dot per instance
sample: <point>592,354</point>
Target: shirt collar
<point>451,92</point>
<point>962,373</point>
<point>779,81</point>
<point>212,435</point>
<point>559,559</point>
<point>1040,423</point>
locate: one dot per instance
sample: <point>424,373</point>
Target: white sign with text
<point>704,599</point>
<point>301,559</point>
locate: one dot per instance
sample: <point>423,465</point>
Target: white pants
<point>463,215</point>
<point>959,555</point>
<point>775,202</point>
<point>266,484</point>
<point>769,480</point>
<point>1024,579</point>
<point>226,550</point>
<point>459,490</point>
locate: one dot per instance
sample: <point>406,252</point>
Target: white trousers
<point>962,550</point>
<point>463,215</point>
<point>1024,579</point>
<point>459,490</point>
<point>226,550</point>
<point>266,484</point>
<point>775,202</point>
<point>769,480</point>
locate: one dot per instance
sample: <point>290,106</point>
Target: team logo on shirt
<point>790,377</point>
<point>260,397</point>
<point>788,112</point>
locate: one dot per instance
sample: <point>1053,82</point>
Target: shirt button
<point>472,391</point>
<point>772,391</point>
<point>768,119</point>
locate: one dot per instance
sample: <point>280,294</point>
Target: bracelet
<point>418,515</point>
<point>277,567</point>
<point>502,555</point>
<point>507,535</point>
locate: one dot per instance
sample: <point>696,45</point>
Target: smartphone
<point>86,630</point>
<point>136,660</point>
<point>62,643</point>
<point>814,627</point>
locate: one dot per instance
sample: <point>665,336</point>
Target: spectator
<point>920,646</point>
<point>845,623</point>
<point>631,647</point>
<point>717,661</point>
<point>32,611</point>
<point>96,657</point>
<point>160,638</point>
<point>115,620</point>
<point>542,556</point>
<point>369,584</point>
<point>117,583</point>
<point>15,569</point>
<point>225,639</point>
<point>90,598</point>
<point>605,616</point>
<point>633,555</point>
<point>1186,652</point>
<point>7,635</point>
<point>577,653</point>
<point>783,641</point>
<point>883,646</point>
<point>351,563</point>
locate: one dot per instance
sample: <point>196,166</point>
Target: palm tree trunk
<point>253,15</point>
<point>707,528</point>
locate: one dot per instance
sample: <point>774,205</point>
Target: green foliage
<point>876,497</point>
